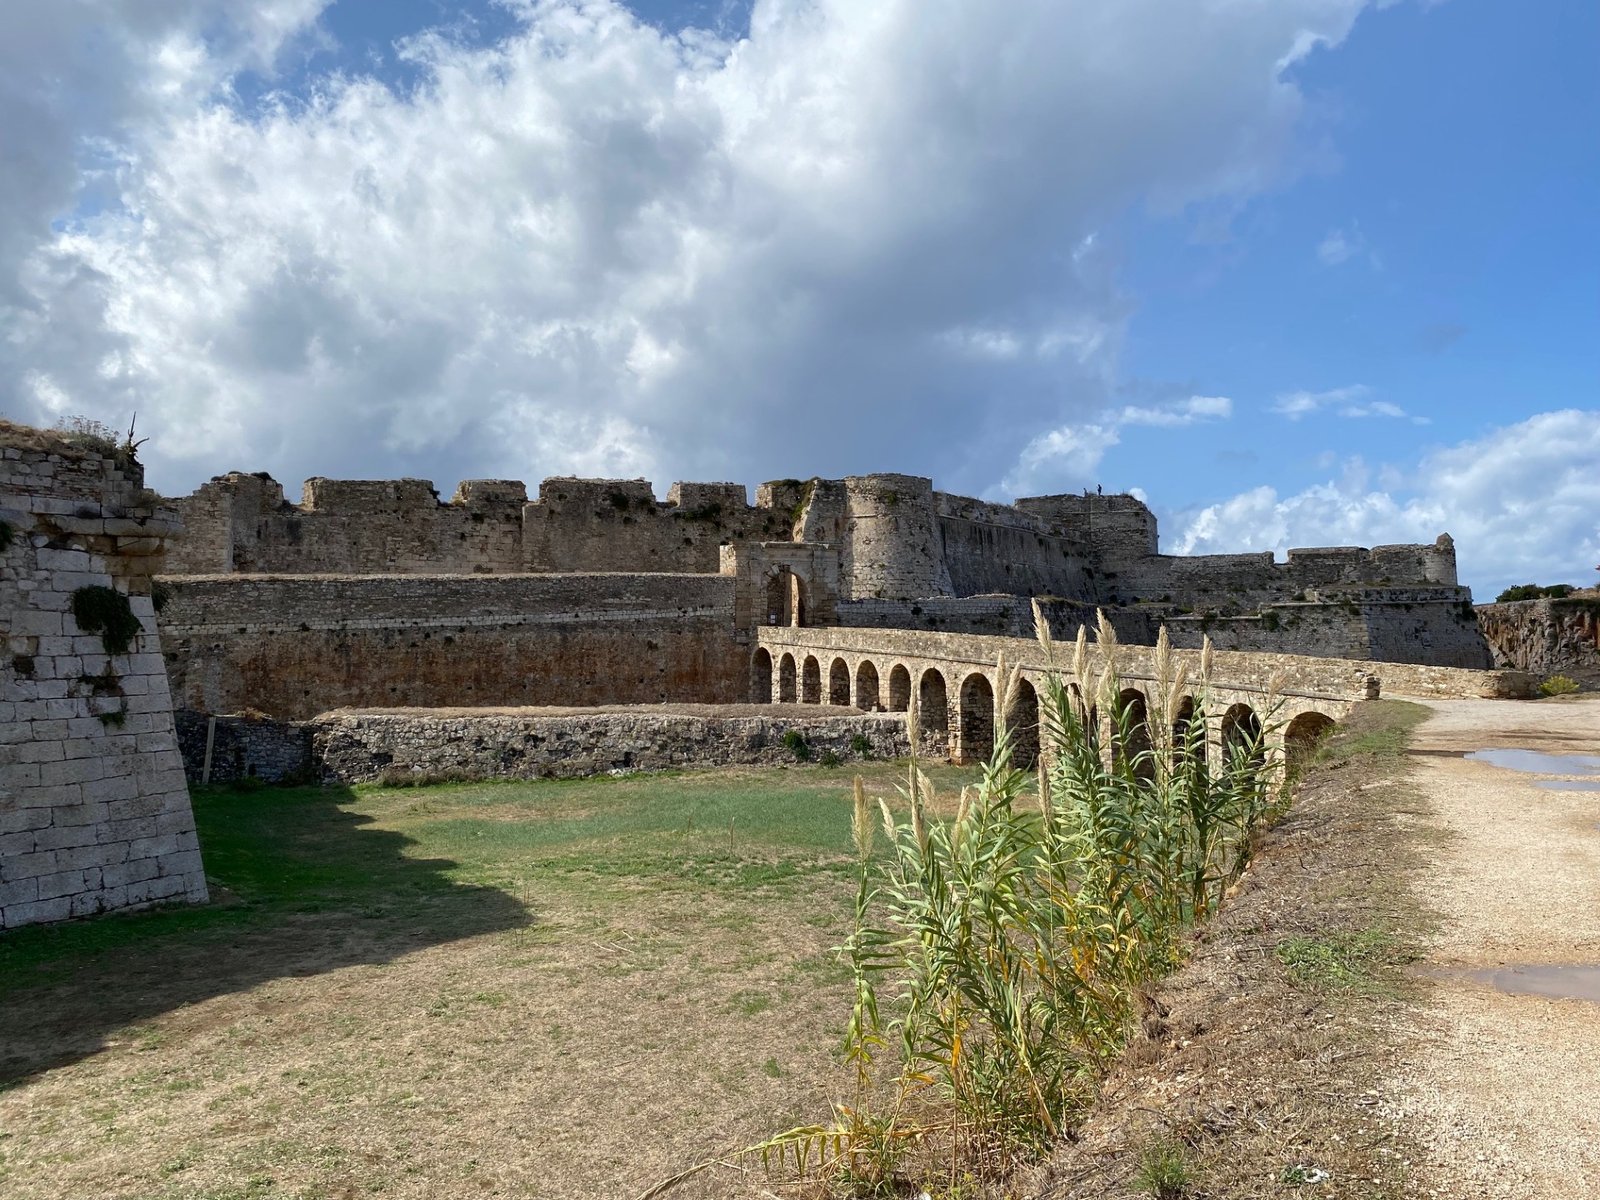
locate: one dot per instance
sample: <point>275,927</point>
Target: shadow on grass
<point>299,888</point>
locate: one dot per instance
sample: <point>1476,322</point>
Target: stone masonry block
<point>68,883</point>
<point>38,912</point>
<point>28,866</point>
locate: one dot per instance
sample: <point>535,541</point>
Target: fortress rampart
<point>880,550</point>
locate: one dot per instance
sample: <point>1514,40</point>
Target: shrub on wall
<point>106,611</point>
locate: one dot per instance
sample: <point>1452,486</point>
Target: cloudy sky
<point>1303,272</point>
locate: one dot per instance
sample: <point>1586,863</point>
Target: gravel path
<point>1502,1086</point>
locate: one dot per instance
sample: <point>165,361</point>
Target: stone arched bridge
<point>953,676</point>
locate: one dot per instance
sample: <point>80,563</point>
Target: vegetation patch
<point>422,968</point>
<point>105,611</point>
<point>1533,591</point>
<point>1262,1054</point>
<point>8,534</point>
<point>1558,685</point>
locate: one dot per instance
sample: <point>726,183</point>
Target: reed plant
<point>998,955</point>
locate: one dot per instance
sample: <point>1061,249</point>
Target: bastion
<point>94,811</point>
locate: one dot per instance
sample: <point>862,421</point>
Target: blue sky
<point>1312,272</point>
<point>1463,171</point>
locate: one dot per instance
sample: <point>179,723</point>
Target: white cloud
<point>1335,248</point>
<point>1349,402</point>
<point>1068,456</point>
<point>1339,246</point>
<point>1185,412</point>
<point>597,243</point>
<point>1522,502</point>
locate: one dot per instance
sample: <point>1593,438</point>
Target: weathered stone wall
<point>94,815</point>
<point>356,747</point>
<point>244,747</point>
<point>294,646</point>
<point>1546,637</point>
<point>1385,625</point>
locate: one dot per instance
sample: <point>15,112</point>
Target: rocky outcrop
<point>1546,637</point>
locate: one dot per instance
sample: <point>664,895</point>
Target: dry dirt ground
<point>1503,1086</point>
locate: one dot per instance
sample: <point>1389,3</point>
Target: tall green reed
<point>997,955</point>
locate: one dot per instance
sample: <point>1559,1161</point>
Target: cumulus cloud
<point>1068,457</point>
<point>861,237</point>
<point>1522,502</point>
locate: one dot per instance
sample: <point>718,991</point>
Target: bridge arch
<point>786,679</point>
<point>1241,732</point>
<point>839,683</point>
<point>1302,736</point>
<point>899,688</point>
<point>1023,720</point>
<point>811,681</point>
<point>867,697</point>
<point>933,704</point>
<point>761,676</point>
<point>1131,733</point>
<point>1183,728</point>
<point>976,705</point>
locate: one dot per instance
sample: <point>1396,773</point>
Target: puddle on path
<point>1554,982</point>
<point>1569,785</point>
<point>1539,762</point>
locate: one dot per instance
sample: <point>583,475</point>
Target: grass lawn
<point>554,989</point>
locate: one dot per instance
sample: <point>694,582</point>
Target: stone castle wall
<point>873,543</point>
<point>94,813</point>
<point>242,524</point>
<point>294,646</point>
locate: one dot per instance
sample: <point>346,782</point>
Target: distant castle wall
<point>294,646</point>
<point>94,814</point>
<point>884,547</point>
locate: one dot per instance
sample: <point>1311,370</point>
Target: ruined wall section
<point>242,523</point>
<point>990,548</point>
<point>617,525</point>
<point>94,813</point>
<point>1217,580</point>
<point>294,646</point>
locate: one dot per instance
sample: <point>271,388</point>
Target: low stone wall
<point>245,748</point>
<point>358,746</point>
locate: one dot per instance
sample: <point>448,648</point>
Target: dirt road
<point>1503,1086</point>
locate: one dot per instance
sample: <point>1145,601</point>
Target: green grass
<point>423,857</point>
<point>1344,961</point>
<point>1376,729</point>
